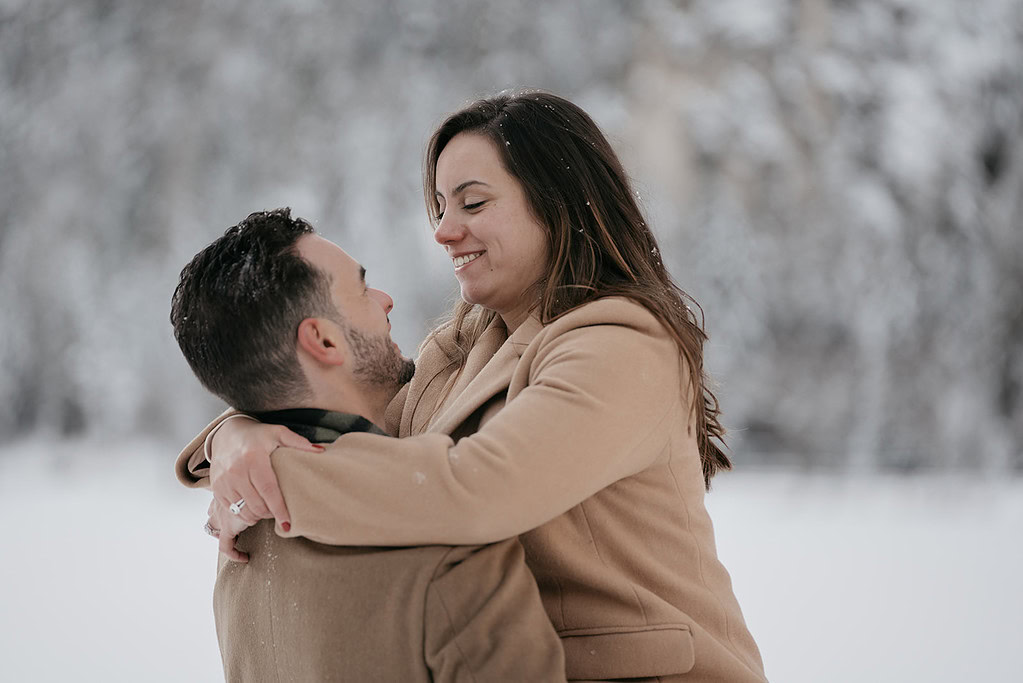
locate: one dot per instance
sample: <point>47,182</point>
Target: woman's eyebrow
<point>461,188</point>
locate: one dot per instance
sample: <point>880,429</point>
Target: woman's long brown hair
<point>598,241</point>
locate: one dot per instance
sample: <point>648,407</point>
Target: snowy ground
<point>107,576</point>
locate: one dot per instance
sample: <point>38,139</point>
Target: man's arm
<point>484,619</point>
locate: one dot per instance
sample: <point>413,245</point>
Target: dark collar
<point>319,426</point>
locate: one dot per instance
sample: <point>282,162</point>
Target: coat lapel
<point>434,365</point>
<point>486,374</point>
<point>393,413</point>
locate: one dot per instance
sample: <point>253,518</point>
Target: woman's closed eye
<point>465,207</point>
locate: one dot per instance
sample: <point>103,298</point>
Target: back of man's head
<point>237,308</point>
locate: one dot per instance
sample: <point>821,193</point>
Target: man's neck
<point>338,392</point>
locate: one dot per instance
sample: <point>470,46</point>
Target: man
<point>280,323</point>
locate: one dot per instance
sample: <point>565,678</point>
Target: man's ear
<point>323,340</point>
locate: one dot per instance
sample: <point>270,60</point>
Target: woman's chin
<point>470,295</point>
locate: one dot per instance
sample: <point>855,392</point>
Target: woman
<point>564,402</point>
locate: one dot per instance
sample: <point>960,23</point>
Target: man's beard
<point>378,363</point>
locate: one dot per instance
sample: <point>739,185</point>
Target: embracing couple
<point>540,515</point>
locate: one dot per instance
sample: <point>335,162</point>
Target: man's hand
<point>225,526</point>
<point>241,471</point>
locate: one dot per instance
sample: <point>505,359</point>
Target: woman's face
<point>497,248</point>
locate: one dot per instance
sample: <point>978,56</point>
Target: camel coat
<point>577,437</point>
<point>302,611</point>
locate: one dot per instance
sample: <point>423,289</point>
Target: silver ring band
<point>237,506</point>
<point>215,533</point>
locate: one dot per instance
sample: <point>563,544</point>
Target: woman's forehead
<point>467,157</point>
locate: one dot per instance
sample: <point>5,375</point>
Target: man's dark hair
<point>237,308</point>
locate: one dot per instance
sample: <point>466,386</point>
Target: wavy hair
<point>597,238</point>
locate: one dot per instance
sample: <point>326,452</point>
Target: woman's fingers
<point>230,498</point>
<point>227,547</point>
<point>262,496</point>
<point>290,439</point>
<point>247,511</point>
<point>224,483</point>
<point>255,506</point>
<point>264,481</point>
<point>231,483</point>
<point>242,471</point>
<point>227,527</point>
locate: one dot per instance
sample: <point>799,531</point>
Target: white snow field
<point>107,576</point>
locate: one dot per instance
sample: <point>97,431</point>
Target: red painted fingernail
<point>286,526</point>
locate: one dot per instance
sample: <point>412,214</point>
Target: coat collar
<point>319,426</point>
<point>488,371</point>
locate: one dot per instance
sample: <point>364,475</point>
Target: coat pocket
<point>628,652</point>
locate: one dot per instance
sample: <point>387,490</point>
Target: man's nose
<point>383,299</point>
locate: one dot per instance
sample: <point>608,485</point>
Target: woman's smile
<point>465,259</point>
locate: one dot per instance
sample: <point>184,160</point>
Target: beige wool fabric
<point>577,438</point>
<point>302,611</point>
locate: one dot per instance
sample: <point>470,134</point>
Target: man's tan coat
<point>577,437</point>
<point>302,611</point>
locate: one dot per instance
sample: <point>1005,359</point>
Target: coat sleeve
<point>191,467</point>
<point>484,620</point>
<point>599,407</point>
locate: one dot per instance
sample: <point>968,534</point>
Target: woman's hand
<point>240,470</point>
<point>225,527</point>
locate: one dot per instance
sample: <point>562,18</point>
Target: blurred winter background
<point>839,184</point>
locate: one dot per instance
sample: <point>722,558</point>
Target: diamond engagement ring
<point>237,506</point>
<point>215,533</point>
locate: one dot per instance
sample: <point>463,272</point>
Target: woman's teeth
<point>462,260</point>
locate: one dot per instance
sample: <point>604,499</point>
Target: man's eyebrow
<point>462,187</point>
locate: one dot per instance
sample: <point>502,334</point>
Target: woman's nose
<point>448,230</point>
